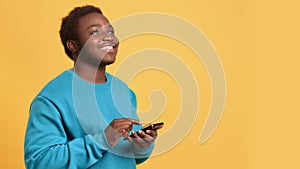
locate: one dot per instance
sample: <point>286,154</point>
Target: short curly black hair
<point>69,25</point>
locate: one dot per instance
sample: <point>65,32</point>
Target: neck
<point>90,73</point>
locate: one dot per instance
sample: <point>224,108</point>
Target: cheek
<point>92,41</point>
<point>91,45</point>
<point>87,39</point>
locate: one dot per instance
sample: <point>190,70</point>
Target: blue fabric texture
<point>66,125</point>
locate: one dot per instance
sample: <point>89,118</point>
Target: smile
<point>107,48</point>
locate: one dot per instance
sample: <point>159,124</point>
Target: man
<point>84,117</point>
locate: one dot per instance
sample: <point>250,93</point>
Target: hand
<point>141,139</point>
<point>117,128</point>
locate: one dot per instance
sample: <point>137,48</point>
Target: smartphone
<point>151,127</point>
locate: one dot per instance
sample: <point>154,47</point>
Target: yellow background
<point>258,43</point>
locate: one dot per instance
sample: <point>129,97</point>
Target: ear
<point>73,47</point>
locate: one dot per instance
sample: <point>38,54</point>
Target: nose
<point>108,37</point>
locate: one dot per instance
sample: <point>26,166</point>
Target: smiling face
<point>97,42</point>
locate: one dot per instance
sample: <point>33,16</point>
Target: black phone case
<point>150,127</point>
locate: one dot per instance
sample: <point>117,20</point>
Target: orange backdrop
<point>257,42</point>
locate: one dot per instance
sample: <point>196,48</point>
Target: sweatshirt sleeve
<point>47,144</point>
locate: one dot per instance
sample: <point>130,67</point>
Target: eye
<point>95,32</point>
<point>111,32</point>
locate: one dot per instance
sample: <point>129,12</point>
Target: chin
<point>107,60</point>
<point>106,63</point>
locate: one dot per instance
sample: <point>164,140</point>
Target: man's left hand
<point>141,139</point>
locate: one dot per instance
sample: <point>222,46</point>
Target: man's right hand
<point>117,128</point>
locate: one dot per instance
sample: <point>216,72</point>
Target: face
<point>97,41</point>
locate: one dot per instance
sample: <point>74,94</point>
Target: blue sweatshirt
<point>66,125</point>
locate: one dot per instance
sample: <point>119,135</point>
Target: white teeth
<point>107,48</point>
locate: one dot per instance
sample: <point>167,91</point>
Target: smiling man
<point>83,118</point>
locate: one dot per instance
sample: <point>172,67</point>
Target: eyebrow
<point>98,25</point>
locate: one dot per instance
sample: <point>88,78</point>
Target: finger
<point>125,133</point>
<point>141,133</point>
<point>135,138</point>
<point>151,133</point>
<point>145,126</point>
<point>126,126</point>
<point>115,124</point>
<point>122,125</point>
<point>131,139</point>
<point>125,120</point>
<point>124,130</point>
<point>135,134</point>
<point>134,121</point>
<point>146,138</point>
<point>122,121</point>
